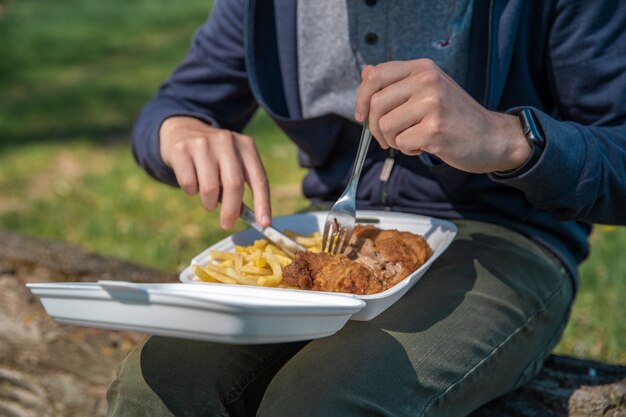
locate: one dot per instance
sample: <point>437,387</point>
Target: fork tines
<point>335,239</point>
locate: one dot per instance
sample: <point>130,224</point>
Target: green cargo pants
<point>479,324</point>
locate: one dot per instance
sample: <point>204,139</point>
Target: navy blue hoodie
<point>564,59</point>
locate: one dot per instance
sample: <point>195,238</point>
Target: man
<point>507,117</point>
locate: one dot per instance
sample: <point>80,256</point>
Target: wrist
<point>534,144</point>
<point>517,150</point>
<point>174,124</point>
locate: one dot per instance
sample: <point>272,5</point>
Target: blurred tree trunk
<point>53,370</point>
<point>48,369</point>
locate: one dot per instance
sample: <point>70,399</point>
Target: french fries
<point>258,264</point>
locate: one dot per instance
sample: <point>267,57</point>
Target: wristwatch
<point>535,139</point>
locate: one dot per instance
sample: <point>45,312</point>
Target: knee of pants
<point>129,394</point>
<point>326,380</point>
<point>311,392</point>
<point>318,395</point>
<point>189,377</point>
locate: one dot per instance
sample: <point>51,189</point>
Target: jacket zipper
<point>489,52</point>
<point>385,174</point>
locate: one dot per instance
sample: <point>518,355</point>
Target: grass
<point>596,328</point>
<point>73,75</point>
<point>88,64</point>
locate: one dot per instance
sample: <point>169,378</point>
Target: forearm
<point>210,85</point>
<point>581,174</point>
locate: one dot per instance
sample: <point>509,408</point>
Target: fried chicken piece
<point>392,254</point>
<point>335,273</point>
<point>374,261</point>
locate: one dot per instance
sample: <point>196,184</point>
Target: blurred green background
<point>74,74</point>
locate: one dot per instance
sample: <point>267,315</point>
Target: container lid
<point>225,313</point>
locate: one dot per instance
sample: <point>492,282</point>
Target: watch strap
<point>535,139</point>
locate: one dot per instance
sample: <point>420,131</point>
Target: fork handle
<point>366,137</point>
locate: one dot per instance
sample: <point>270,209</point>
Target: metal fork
<point>342,216</point>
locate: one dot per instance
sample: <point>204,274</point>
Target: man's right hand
<point>215,163</point>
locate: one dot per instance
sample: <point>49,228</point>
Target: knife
<point>287,244</point>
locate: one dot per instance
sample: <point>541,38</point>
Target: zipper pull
<point>385,173</point>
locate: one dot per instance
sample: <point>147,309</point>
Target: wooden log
<point>48,369</point>
<point>52,370</point>
<point>566,387</point>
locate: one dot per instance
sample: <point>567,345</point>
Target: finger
<point>383,103</point>
<point>232,179</point>
<point>412,140</point>
<point>185,171</point>
<point>208,176</point>
<point>400,118</point>
<point>256,177</point>
<point>365,71</point>
<point>375,79</point>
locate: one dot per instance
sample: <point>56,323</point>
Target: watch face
<point>531,129</point>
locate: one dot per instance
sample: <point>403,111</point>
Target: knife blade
<point>287,244</point>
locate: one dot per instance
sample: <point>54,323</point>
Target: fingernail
<point>358,116</point>
<point>266,220</point>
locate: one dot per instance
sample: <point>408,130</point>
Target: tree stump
<point>53,370</point>
<point>48,369</point>
<point>566,387</point>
